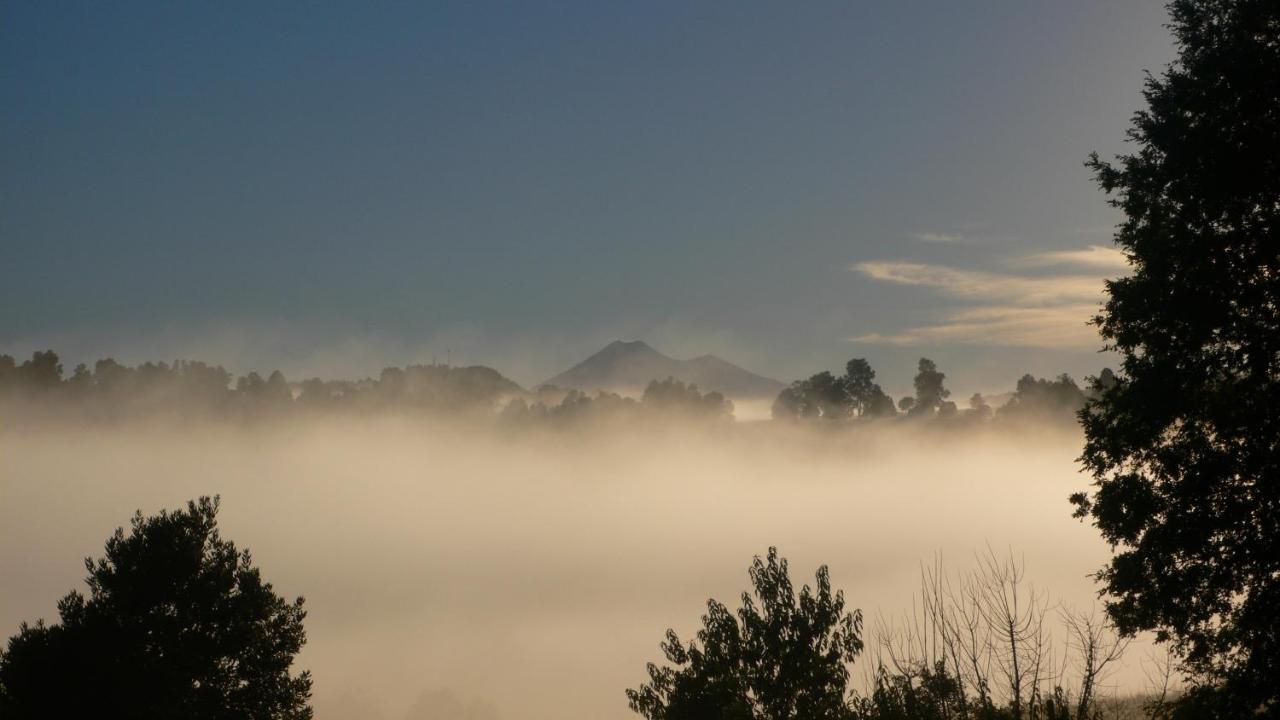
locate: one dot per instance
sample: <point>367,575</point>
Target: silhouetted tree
<point>864,396</point>
<point>1057,398</point>
<point>1184,447</point>
<point>201,383</point>
<point>859,385</point>
<point>578,406</point>
<point>835,398</point>
<point>827,393</point>
<point>930,392</point>
<point>783,657</point>
<point>789,404</point>
<point>8,370</point>
<point>177,623</point>
<point>672,394</point>
<point>81,380</point>
<point>820,396</point>
<point>314,394</point>
<point>112,378</point>
<point>930,693</point>
<point>277,388</point>
<point>881,406</point>
<point>43,370</point>
<point>251,385</point>
<point>979,407</point>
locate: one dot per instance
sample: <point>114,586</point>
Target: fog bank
<point>486,574</point>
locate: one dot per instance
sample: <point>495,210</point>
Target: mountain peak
<point>630,345</point>
<point>628,366</point>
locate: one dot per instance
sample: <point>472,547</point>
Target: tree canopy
<point>824,395</point>
<point>177,623</point>
<point>1183,446</point>
<point>1059,397</point>
<point>931,394</point>
<point>782,656</point>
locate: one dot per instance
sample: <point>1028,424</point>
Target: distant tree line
<point>192,388</point>
<point>660,399</point>
<point>855,395</point>
<point>197,389</point>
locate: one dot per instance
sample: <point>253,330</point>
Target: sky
<point>330,188</point>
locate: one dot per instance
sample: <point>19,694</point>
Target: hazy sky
<point>333,187</point>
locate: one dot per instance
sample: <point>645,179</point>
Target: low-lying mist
<point>452,571</point>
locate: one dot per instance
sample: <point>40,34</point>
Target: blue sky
<point>333,187</point>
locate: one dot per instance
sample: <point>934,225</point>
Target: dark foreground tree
<point>177,624</point>
<point>783,657</point>
<point>1185,448</point>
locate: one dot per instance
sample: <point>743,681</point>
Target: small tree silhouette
<point>782,656</point>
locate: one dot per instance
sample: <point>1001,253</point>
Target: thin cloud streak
<point>1059,328</point>
<point>938,237</point>
<point>986,286</point>
<point>1094,256</point>
<point>1050,311</point>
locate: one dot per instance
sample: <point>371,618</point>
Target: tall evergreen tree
<point>1185,447</point>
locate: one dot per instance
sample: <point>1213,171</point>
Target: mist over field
<point>456,571</point>
<point>675,361</point>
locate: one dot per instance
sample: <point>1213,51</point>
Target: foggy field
<point>534,574</point>
<point>640,361</point>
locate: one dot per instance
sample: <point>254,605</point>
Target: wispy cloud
<point>1094,256</point>
<point>1064,327</point>
<point>1006,308</point>
<point>986,286</point>
<point>938,237</point>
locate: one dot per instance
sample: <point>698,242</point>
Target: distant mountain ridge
<point>630,366</point>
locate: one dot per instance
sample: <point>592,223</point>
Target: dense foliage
<point>782,656</point>
<point>855,395</point>
<point>935,693</point>
<point>1185,448</point>
<point>177,623</point>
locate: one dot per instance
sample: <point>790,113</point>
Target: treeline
<point>190,388</point>
<point>855,395</point>
<point>200,390</point>
<point>193,388</point>
<point>661,398</point>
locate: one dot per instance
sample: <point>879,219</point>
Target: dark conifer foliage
<point>177,623</point>
<point>1185,448</point>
